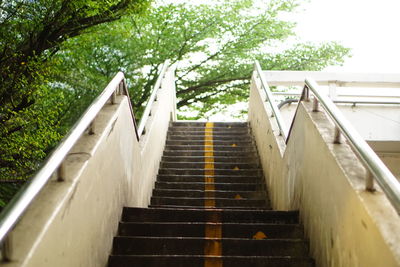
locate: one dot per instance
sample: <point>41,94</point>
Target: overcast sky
<point>369,27</point>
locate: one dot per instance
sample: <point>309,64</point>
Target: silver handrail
<point>353,102</point>
<point>275,111</point>
<point>18,205</point>
<point>377,169</point>
<point>147,112</point>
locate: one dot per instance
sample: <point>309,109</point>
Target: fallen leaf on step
<point>259,236</point>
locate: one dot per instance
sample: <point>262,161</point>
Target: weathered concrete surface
<point>347,226</point>
<point>73,223</point>
<point>270,146</point>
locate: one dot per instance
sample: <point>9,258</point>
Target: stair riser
<point>175,171</point>
<point>216,159</point>
<point>203,129</point>
<point>238,148</point>
<point>272,231</point>
<point>215,143</point>
<point>200,165</point>
<point>201,193</point>
<point>202,186</point>
<point>220,203</point>
<point>203,124</point>
<point>200,178</point>
<point>190,246</point>
<point>197,153</point>
<point>201,132</point>
<point>193,215</point>
<point>201,137</point>
<point>199,261</point>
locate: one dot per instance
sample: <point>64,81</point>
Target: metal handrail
<point>275,111</point>
<point>377,169</point>
<point>341,96</point>
<point>353,102</point>
<point>147,111</point>
<point>20,202</point>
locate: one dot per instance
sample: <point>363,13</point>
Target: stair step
<point>185,153</point>
<point>201,131</point>
<point>200,165</point>
<point>231,172</point>
<point>228,230</point>
<point>199,261</point>
<point>216,159</point>
<point>201,178</point>
<point>203,124</point>
<point>200,215</point>
<point>202,193</point>
<point>208,207</point>
<point>217,186</point>
<point>200,202</point>
<point>231,147</point>
<point>215,130</point>
<point>124,245</point>
<point>181,137</point>
<point>216,143</point>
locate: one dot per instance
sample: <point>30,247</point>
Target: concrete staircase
<point>209,207</point>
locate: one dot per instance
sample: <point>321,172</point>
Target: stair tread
<point>210,208</point>
<point>189,245</point>
<point>266,240</point>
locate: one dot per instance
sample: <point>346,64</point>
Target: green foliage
<point>33,111</point>
<point>214,45</point>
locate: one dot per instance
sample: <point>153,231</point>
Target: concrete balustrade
<point>346,225</point>
<point>72,223</point>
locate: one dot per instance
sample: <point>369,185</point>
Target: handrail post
<point>92,128</point>
<point>369,182</point>
<point>113,97</point>
<point>337,136</point>
<point>61,172</point>
<point>306,93</point>
<point>315,105</point>
<point>6,249</point>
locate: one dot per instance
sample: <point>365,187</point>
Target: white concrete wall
<point>346,225</point>
<point>373,122</point>
<point>72,223</point>
<point>266,134</point>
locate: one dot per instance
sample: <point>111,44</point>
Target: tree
<point>31,32</point>
<point>215,46</point>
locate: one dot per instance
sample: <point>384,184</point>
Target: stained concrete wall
<point>346,225</point>
<point>72,223</point>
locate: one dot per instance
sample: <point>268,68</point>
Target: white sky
<point>369,27</point>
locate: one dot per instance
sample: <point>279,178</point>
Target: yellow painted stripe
<point>209,165</point>
<point>213,229</point>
